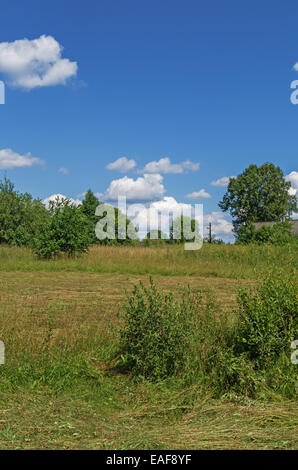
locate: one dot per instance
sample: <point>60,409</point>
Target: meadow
<point>60,321</point>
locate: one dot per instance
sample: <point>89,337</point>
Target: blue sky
<point>200,82</point>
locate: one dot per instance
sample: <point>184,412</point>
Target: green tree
<point>20,215</point>
<point>66,231</point>
<point>88,208</point>
<point>184,229</point>
<point>156,235</point>
<point>113,227</point>
<point>258,194</point>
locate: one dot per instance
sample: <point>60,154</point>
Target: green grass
<point>59,388</point>
<point>228,261</point>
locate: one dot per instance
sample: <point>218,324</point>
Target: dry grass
<point>227,261</point>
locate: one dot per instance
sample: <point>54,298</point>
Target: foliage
<point>113,227</point>
<point>258,194</point>
<point>157,332</point>
<point>268,319</point>
<point>67,231</point>
<point>184,229</point>
<point>20,215</point>
<point>277,234</point>
<point>156,235</point>
<point>163,337</point>
<point>88,207</point>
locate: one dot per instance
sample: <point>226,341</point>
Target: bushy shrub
<point>246,354</point>
<point>67,231</point>
<point>268,319</point>
<point>21,216</point>
<point>157,332</point>
<point>277,234</point>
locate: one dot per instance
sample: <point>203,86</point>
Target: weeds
<point>163,337</point>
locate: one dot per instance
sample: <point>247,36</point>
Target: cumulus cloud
<point>224,181</point>
<point>142,189</point>
<point>64,171</point>
<point>165,166</point>
<point>35,63</point>
<point>202,194</point>
<point>10,159</point>
<point>156,216</point>
<point>220,225</point>
<point>60,198</point>
<point>293,179</point>
<point>122,164</point>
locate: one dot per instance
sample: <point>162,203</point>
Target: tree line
<point>258,194</point>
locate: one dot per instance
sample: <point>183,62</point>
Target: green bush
<point>268,319</point>
<point>247,354</point>
<point>157,333</point>
<point>21,216</point>
<point>67,231</point>
<point>277,234</point>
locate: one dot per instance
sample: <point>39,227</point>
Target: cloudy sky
<point>161,101</point>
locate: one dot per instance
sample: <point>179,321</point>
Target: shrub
<point>67,231</point>
<point>157,333</point>
<point>277,234</point>
<point>268,319</point>
<point>247,354</point>
<point>21,216</point>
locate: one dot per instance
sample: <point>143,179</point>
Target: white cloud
<point>122,164</point>
<point>295,67</point>
<point>221,227</point>
<point>292,191</point>
<point>10,159</point>
<point>165,166</point>
<point>64,171</point>
<point>293,179</point>
<point>142,189</point>
<point>157,209</point>
<point>224,181</point>
<point>60,197</point>
<point>35,63</point>
<point>219,224</point>
<point>202,194</point>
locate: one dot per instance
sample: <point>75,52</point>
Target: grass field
<point>60,321</point>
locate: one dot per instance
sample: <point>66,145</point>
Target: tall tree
<point>113,227</point>
<point>88,208</point>
<point>20,215</point>
<point>258,194</point>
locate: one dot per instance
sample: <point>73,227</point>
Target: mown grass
<point>60,325</point>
